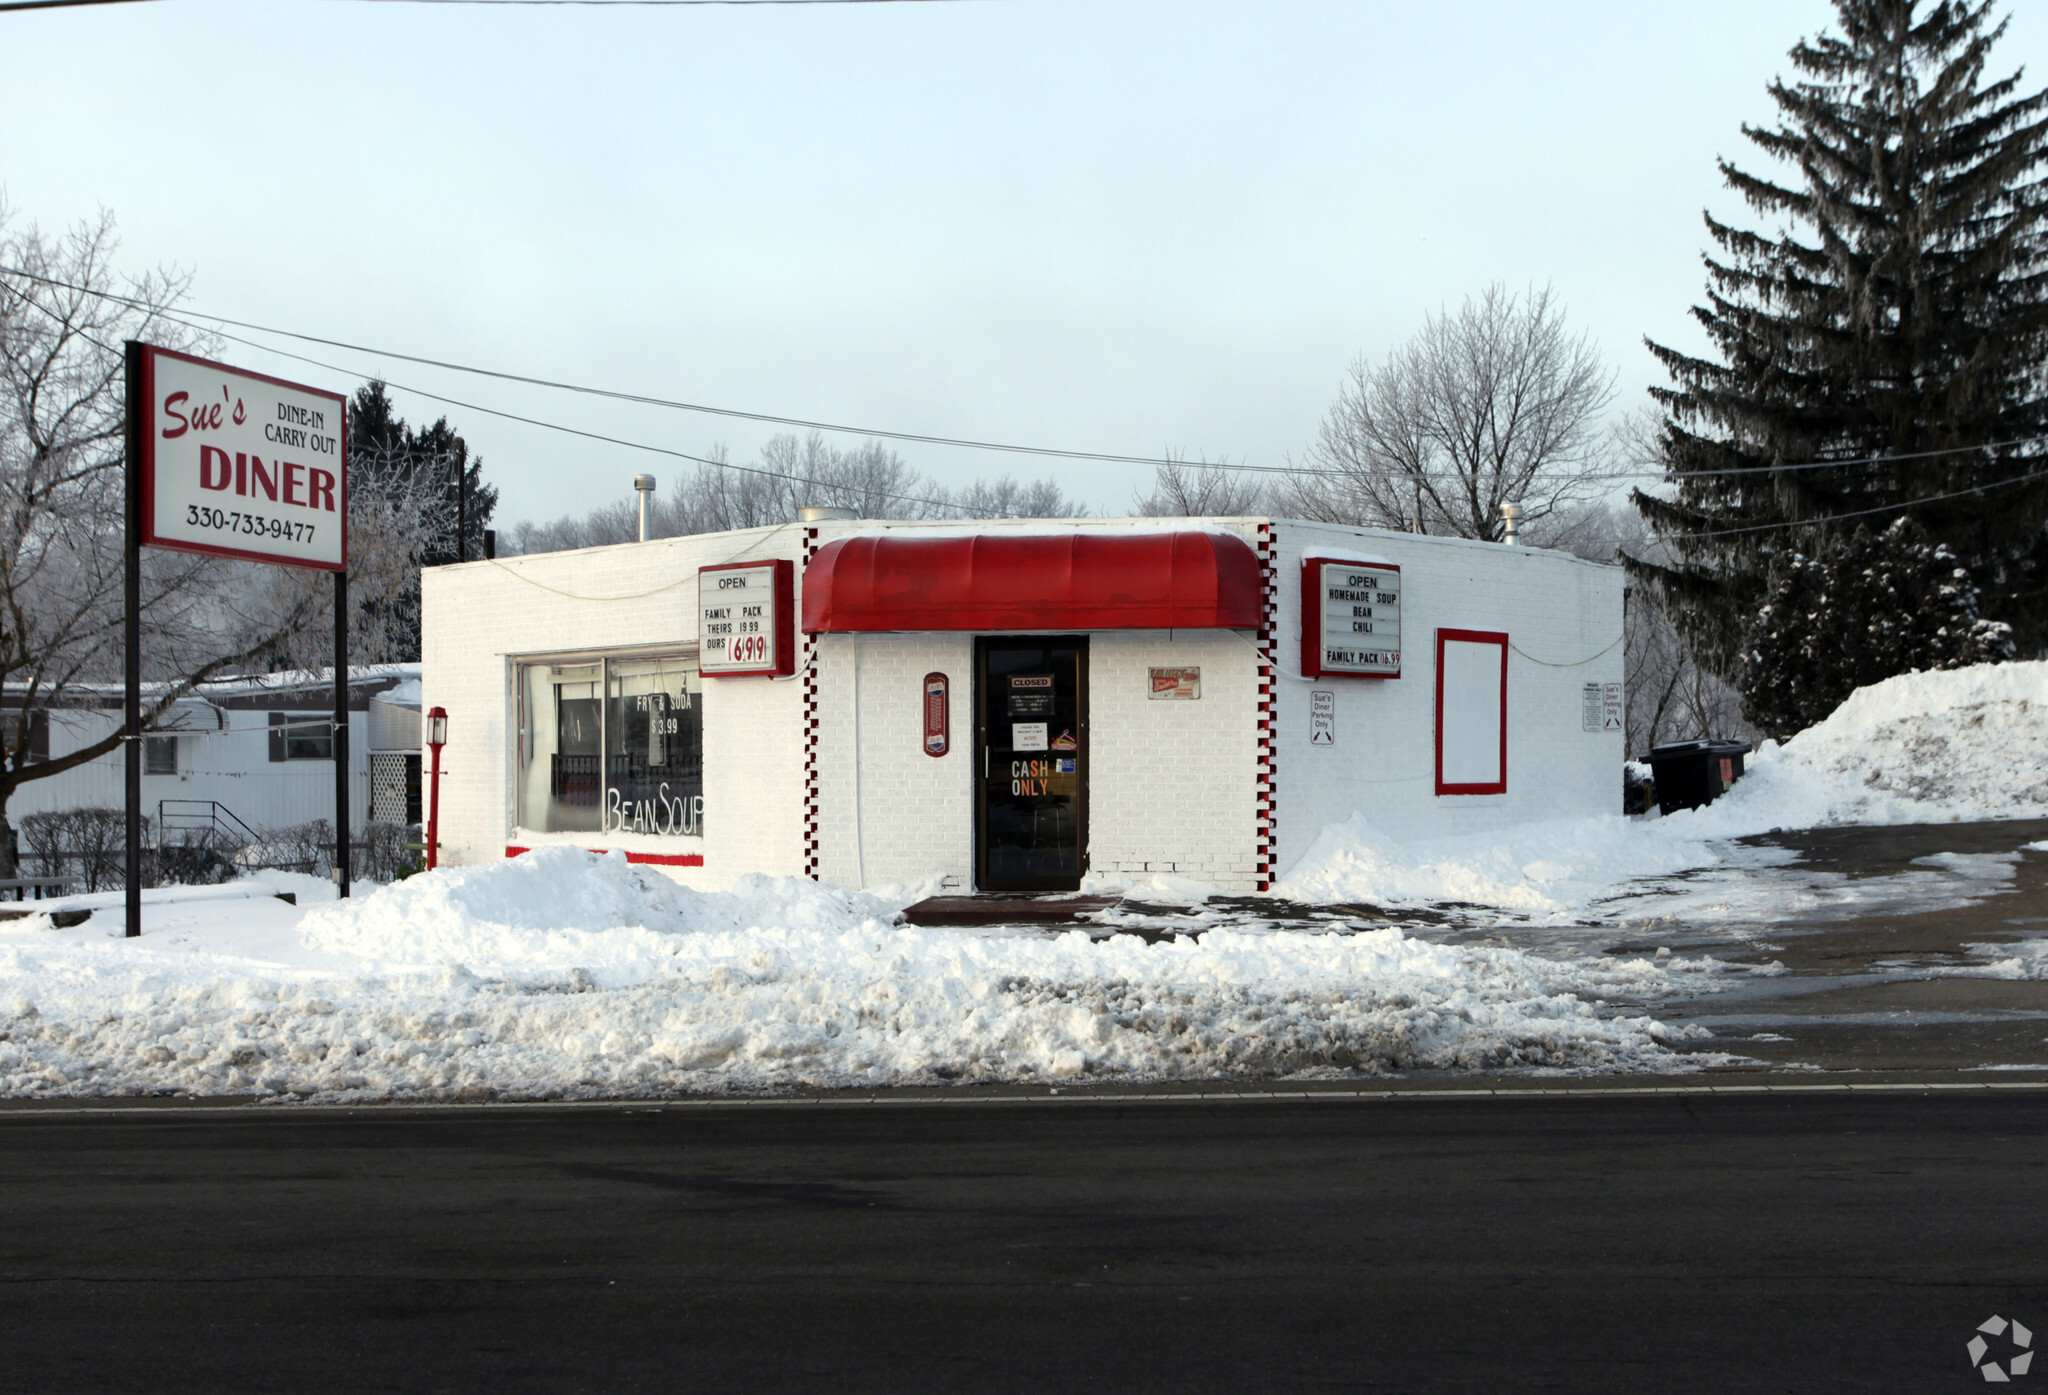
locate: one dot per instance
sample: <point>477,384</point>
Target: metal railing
<point>208,815</point>
<point>196,841</point>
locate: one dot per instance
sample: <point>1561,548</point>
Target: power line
<point>1859,513</point>
<point>566,430</point>
<point>1051,452</point>
<point>644,400</point>
<point>591,4</point>
<point>914,499</point>
<point>55,4</point>
<point>653,4</point>
<point>489,411</point>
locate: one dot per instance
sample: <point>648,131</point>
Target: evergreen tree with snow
<point>1885,346</point>
<point>1863,607</point>
<point>418,472</point>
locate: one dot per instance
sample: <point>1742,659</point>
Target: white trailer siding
<point>224,753</point>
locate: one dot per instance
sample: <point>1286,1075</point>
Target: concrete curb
<point>244,1106</point>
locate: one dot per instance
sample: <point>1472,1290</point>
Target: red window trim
<point>651,859</point>
<point>1471,637</point>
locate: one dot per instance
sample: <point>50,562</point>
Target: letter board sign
<point>746,619</point>
<point>1350,619</point>
<point>237,464</point>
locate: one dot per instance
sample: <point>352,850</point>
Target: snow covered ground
<point>1920,748</point>
<point>568,973</point>
<point>564,973</point>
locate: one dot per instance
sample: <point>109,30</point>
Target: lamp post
<point>437,737</point>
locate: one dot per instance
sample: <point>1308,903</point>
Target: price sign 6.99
<point>746,619</point>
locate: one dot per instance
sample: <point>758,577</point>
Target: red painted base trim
<point>651,859</point>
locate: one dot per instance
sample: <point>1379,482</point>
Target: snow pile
<point>1968,743</point>
<point>2022,959</point>
<point>565,973</point>
<point>1920,748</point>
<point>561,906</point>
<point>1541,869</point>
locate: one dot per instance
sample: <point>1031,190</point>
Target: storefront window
<point>612,746</point>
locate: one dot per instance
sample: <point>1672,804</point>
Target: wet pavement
<point>1825,950</point>
<point>1880,980</point>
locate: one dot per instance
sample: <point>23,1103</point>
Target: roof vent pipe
<point>645,485</point>
<point>1510,520</point>
<point>819,513</point>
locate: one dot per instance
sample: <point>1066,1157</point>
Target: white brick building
<point>1015,705</point>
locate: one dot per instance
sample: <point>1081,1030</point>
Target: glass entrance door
<point>1031,820</point>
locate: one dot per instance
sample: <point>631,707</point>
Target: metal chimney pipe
<point>1511,519</point>
<point>645,484</point>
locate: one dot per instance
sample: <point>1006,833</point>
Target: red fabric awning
<point>1075,580</point>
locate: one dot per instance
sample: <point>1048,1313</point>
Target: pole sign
<point>746,619</point>
<point>1350,619</point>
<point>237,464</point>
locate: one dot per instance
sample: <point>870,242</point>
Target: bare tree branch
<point>1496,404</point>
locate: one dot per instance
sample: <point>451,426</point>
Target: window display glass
<point>612,746</point>
<point>654,748</point>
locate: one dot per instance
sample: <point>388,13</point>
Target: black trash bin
<point>1692,773</point>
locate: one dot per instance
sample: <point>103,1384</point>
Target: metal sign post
<point>230,463</point>
<point>343,851</point>
<point>131,591</point>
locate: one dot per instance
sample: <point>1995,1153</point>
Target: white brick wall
<point>1173,785</point>
<point>1170,783</point>
<point>479,617</point>
<point>1552,606</point>
<point>894,814</point>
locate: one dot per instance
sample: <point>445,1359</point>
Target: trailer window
<point>160,755</point>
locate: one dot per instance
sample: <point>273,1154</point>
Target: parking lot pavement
<point>1879,980</point>
<point>1837,950</point>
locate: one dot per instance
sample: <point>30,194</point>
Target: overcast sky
<point>1121,225</point>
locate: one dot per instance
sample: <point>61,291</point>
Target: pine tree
<point>386,456</point>
<point>1898,325</point>
<point>1862,608</point>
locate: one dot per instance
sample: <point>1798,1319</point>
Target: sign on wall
<point>1601,709</point>
<point>746,619</point>
<point>1350,619</point>
<point>937,719</point>
<point>237,464</point>
<point>1322,717</point>
<point>1176,685</point>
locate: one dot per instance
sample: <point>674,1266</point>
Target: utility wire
<point>902,498</point>
<point>1859,513</point>
<point>476,407</point>
<point>643,400</point>
<point>557,426</point>
<point>612,440</point>
<point>592,4</point>
<point>647,401</point>
<point>54,4</point>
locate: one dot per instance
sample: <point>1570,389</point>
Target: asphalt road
<point>1583,1243</point>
